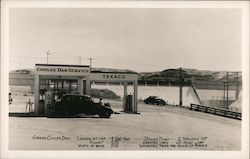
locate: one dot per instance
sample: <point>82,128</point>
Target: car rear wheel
<point>105,115</point>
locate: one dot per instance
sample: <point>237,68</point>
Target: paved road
<point>156,127</point>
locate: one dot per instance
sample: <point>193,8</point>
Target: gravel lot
<point>156,127</point>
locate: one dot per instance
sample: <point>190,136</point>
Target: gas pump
<point>128,103</point>
<point>48,100</point>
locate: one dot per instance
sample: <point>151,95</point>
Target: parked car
<point>72,104</point>
<point>154,100</point>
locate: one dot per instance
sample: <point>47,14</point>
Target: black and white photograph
<point>125,79</point>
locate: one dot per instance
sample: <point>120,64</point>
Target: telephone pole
<point>237,86</point>
<point>224,94</point>
<point>227,85</point>
<point>180,83</point>
<point>80,60</point>
<point>90,62</point>
<point>47,56</point>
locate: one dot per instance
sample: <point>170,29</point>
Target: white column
<point>124,94</point>
<point>37,94</point>
<point>135,96</point>
<point>88,85</point>
<point>80,85</point>
<point>133,102</point>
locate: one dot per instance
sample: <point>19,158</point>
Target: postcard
<point>125,79</point>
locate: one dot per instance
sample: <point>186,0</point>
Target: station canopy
<point>25,77</point>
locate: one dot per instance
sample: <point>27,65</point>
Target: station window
<point>57,86</point>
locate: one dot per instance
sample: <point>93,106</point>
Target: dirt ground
<point>155,128</point>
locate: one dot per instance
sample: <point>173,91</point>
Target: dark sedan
<point>154,100</point>
<point>71,105</point>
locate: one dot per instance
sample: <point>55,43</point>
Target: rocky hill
<point>202,78</point>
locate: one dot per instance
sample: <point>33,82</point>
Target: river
<point>170,93</point>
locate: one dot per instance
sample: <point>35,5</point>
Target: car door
<point>76,105</point>
<point>88,105</point>
<point>82,105</point>
<point>66,104</point>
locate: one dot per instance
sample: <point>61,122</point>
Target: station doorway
<point>58,87</point>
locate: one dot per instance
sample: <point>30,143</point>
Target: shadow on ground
<point>54,116</point>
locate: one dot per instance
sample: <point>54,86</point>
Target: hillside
<point>202,78</point>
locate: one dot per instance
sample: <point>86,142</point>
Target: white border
<point>5,153</point>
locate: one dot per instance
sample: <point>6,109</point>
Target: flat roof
<point>62,65</point>
<point>93,70</point>
<point>111,70</point>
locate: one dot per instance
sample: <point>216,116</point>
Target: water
<point>207,94</point>
<point>169,94</point>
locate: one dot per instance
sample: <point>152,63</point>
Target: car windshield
<point>85,99</point>
<point>90,99</point>
<point>153,97</point>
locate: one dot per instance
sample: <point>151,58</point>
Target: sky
<point>139,39</point>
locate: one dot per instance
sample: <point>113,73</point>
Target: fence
<point>216,111</point>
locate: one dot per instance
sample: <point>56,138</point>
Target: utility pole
<point>227,85</point>
<point>224,94</point>
<point>227,90</point>
<point>180,83</point>
<point>90,62</point>
<point>237,86</point>
<point>47,56</point>
<point>80,60</point>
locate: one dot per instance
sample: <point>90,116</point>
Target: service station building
<point>63,79</point>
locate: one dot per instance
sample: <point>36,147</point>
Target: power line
<point>80,60</point>
<point>109,60</point>
<point>105,59</point>
<point>48,56</point>
<point>97,59</point>
<point>27,57</point>
<point>130,63</point>
<point>90,62</point>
